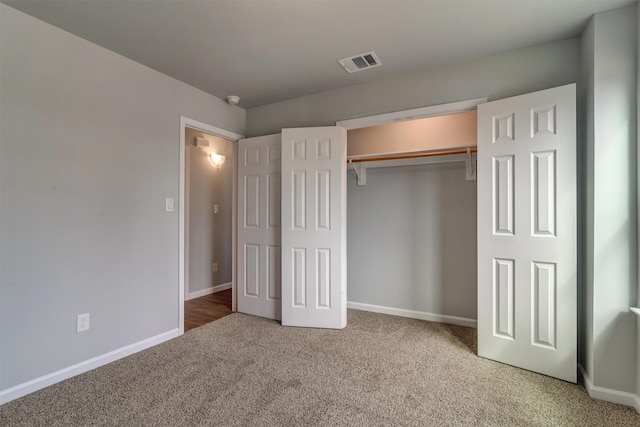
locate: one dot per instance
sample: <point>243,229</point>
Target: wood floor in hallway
<point>208,308</point>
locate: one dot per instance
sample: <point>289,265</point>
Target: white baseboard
<point>413,314</point>
<point>79,368</point>
<point>608,394</point>
<point>208,291</point>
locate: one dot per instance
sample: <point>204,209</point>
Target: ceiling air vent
<point>360,62</point>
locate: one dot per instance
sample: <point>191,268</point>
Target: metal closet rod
<point>414,155</point>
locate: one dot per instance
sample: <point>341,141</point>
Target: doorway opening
<point>207,223</point>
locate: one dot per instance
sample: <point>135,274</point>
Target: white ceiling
<point>266,51</point>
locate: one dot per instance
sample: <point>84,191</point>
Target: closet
<point>412,218</point>
<point>414,244</point>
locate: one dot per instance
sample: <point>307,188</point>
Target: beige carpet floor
<point>380,370</point>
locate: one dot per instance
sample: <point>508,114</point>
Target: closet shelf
<point>414,158</point>
<point>412,155</point>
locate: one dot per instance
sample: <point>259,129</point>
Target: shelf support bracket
<point>361,173</point>
<point>471,165</point>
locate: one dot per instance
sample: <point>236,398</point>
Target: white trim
<point>635,310</point>
<point>416,113</point>
<point>208,291</point>
<point>187,225</point>
<point>608,394</point>
<point>234,229</point>
<point>194,124</point>
<point>82,367</point>
<point>222,287</point>
<point>413,314</point>
<point>234,137</point>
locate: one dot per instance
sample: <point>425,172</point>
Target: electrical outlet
<point>82,322</point>
<point>216,208</point>
<point>215,267</point>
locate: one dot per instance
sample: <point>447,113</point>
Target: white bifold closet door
<point>259,234</point>
<point>293,266</point>
<point>527,262</point>
<point>314,207</point>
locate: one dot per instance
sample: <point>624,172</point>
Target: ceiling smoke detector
<point>364,61</point>
<point>233,100</point>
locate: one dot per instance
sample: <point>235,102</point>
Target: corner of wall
<point>638,201</point>
<point>614,225</point>
<point>585,198</point>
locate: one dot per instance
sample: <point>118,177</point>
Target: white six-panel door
<point>258,222</point>
<point>527,270</point>
<point>314,292</point>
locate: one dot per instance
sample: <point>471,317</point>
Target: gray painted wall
<point>411,239</point>
<point>495,76</point>
<point>89,150</point>
<point>210,235</point>
<point>612,140</point>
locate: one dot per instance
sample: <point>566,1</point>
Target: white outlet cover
<point>82,322</point>
<point>215,267</point>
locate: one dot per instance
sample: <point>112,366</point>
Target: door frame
<point>183,237</point>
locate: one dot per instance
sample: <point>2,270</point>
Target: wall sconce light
<point>217,159</point>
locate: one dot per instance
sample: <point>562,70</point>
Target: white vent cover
<point>360,62</point>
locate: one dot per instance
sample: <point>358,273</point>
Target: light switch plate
<point>168,204</point>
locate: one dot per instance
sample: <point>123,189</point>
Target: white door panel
<point>314,227</point>
<point>527,265</point>
<point>259,226</point>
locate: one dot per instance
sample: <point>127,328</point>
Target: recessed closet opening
<point>412,218</point>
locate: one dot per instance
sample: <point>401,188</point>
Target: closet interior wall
<point>411,239</point>
<point>411,235</point>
